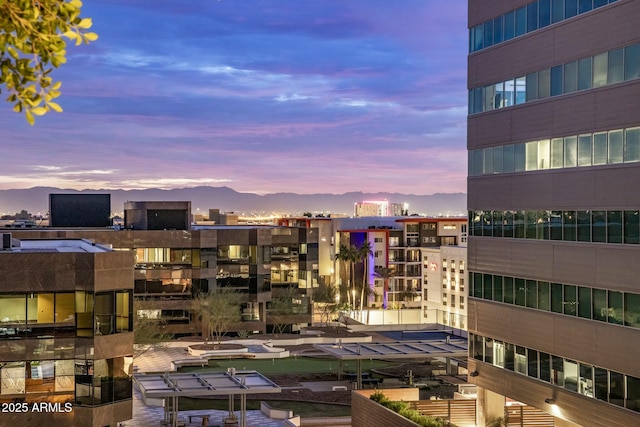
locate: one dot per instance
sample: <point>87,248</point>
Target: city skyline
<point>261,97</point>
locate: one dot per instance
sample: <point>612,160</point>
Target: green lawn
<point>291,365</point>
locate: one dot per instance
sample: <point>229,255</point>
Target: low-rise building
<point>66,339</point>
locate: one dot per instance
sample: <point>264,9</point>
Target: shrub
<point>402,408</point>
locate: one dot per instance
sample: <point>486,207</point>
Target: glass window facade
<point>585,150</point>
<point>620,308</point>
<point>588,380</point>
<point>613,227</point>
<point>529,18</point>
<point>606,68</point>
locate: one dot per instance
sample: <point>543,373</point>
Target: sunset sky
<point>261,96</point>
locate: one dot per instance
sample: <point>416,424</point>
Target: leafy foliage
<point>282,308</point>
<point>219,310</point>
<point>148,332</point>
<point>402,408</point>
<point>33,40</point>
<point>324,297</point>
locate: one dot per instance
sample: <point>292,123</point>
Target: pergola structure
<point>171,386</point>
<point>448,348</point>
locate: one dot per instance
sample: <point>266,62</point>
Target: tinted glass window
<point>584,6</point>
<point>616,388</point>
<point>599,226</point>
<point>555,225</point>
<point>497,30</point>
<point>600,150</point>
<point>570,8</point>
<point>615,70</point>
<point>544,13</point>
<point>616,146</point>
<point>519,157</point>
<point>570,300</point>
<point>508,290</point>
<point>478,37</point>
<point>633,394</point>
<point>532,86</point>
<point>599,304</point>
<point>532,16</point>
<point>631,227</point>
<point>544,301</point>
<point>614,226</point>
<point>615,307</point>
<point>509,26</point>
<point>601,388</point>
<point>600,69</point>
<point>520,90</point>
<point>518,224</point>
<point>521,21</point>
<point>557,10</point>
<point>570,151</point>
<point>584,226</point>
<point>557,153</point>
<point>570,77</point>
<point>532,293</point>
<point>584,302</point>
<point>545,367</point>
<point>497,289</point>
<point>632,62</point>
<point>507,228</point>
<point>556,80</point>
<point>584,150</point>
<point>520,292</point>
<point>632,145</point>
<point>488,34</point>
<point>569,221</point>
<point>544,83</point>
<point>632,310</point>
<point>584,74</point>
<point>556,298</point>
<point>507,158</point>
<point>487,285</point>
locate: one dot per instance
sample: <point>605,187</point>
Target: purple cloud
<point>261,96</point>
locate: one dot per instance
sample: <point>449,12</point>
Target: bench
<point>205,418</point>
<point>339,387</point>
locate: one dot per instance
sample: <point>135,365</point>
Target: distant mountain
<point>226,199</point>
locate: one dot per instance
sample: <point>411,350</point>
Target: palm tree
<point>348,255</point>
<point>385,273</point>
<point>364,252</point>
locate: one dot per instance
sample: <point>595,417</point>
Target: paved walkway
<point>147,416</point>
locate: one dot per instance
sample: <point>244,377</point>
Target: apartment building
<point>554,152</point>
<point>175,261</point>
<point>66,339</point>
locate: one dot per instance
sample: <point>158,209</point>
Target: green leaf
<point>55,107</point>
<point>85,23</point>
<point>29,117</point>
<point>90,37</point>
<point>39,111</point>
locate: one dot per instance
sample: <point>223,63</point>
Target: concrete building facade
<point>554,151</point>
<point>66,340</point>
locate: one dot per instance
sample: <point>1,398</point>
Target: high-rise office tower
<point>553,198</point>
